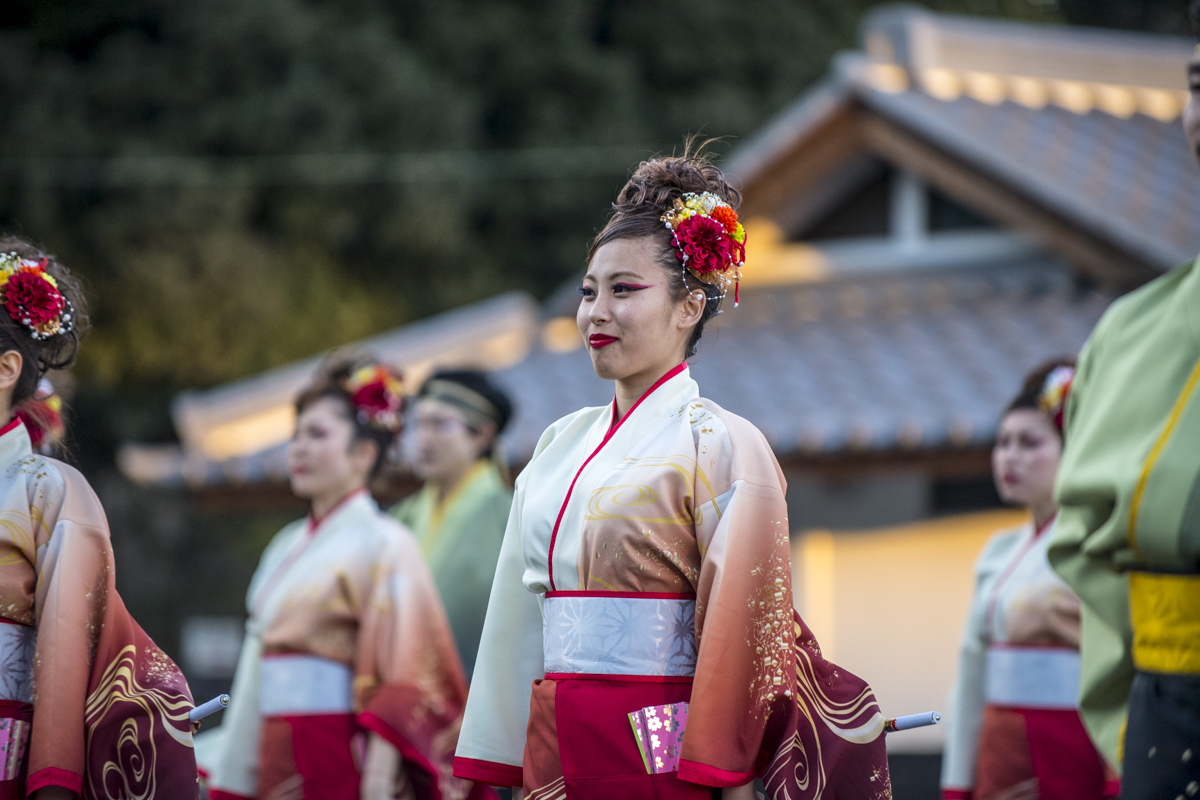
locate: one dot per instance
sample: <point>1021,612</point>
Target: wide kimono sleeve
<point>967,699</point>
<point>1081,550</point>
<point>227,755</point>
<point>765,702</point>
<point>110,710</point>
<point>409,684</point>
<point>491,748</point>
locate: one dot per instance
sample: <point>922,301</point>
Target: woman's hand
<point>383,777</point>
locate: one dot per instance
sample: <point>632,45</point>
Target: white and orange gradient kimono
<point>646,564</point>
<point>107,708</point>
<point>346,636</point>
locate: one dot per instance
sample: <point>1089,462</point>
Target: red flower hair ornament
<point>708,239</point>
<point>377,393</point>
<point>31,297</point>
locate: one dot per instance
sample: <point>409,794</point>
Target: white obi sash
<point>18,643</point>
<point>1032,677</point>
<point>619,633</point>
<point>296,684</point>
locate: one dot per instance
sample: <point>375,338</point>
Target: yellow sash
<point>1165,611</point>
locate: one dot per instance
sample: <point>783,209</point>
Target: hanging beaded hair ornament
<point>377,394</point>
<point>1056,389</point>
<point>709,240</point>
<point>31,297</point>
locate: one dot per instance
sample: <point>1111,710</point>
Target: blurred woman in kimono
<point>643,594</point>
<point>89,706</point>
<point>348,685</point>
<point>459,515</point>
<point>1014,726</point>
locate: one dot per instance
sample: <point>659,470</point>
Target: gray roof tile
<point>930,364</point>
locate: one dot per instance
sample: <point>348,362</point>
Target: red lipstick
<point>598,340</point>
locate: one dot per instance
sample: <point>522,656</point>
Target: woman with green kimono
<point>460,513</point>
<point>1127,538</point>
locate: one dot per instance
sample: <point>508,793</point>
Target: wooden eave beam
<point>992,198</point>
<point>836,140</point>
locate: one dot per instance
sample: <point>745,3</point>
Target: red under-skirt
<point>581,745</point>
<point>1039,754</point>
<point>310,756</point>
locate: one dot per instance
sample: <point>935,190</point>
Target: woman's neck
<point>630,390</point>
<point>448,483</point>
<point>323,504</point>
<point>1043,513</point>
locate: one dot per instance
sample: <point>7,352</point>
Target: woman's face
<point>632,327</point>
<point>323,458</point>
<point>439,442</point>
<point>1025,458</point>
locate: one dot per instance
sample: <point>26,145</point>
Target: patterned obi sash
<point>294,684</point>
<point>17,646</point>
<point>619,633</point>
<point>1032,677</point>
<point>1165,611</point>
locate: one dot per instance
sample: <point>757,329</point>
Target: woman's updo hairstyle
<point>649,193</point>
<point>334,380</point>
<point>38,356</point>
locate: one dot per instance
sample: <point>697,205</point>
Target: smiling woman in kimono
<point>1014,727</point>
<point>88,704</point>
<point>644,581</point>
<point>348,685</point>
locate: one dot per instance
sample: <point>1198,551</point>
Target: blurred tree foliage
<point>194,285</point>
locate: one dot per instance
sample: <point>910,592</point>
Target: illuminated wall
<point>888,604</point>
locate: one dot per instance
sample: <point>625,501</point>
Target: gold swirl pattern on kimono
<point>20,528</point>
<point>687,469</point>
<point>843,719</point>
<point>134,769</point>
<point>792,751</point>
<point>811,783</point>
<point>556,790</point>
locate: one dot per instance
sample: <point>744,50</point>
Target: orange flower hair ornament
<point>1055,391</point>
<point>709,240</point>
<point>377,393</point>
<point>31,297</point>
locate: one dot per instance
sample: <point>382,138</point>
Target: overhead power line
<point>330,169</point>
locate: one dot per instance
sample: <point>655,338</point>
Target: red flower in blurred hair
<point>373,397</point>
<point>41,421</point>
<point>28,295</point>
<point>704,242</point>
